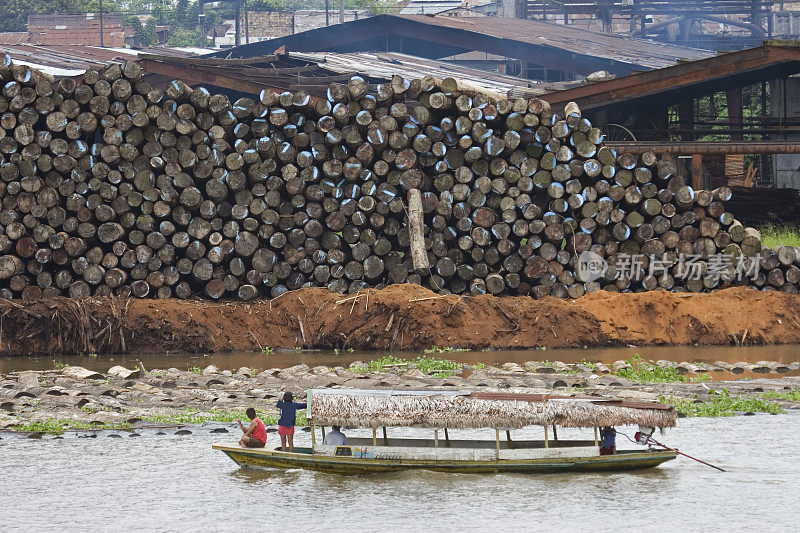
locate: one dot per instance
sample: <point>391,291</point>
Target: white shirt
<point>335,438</point>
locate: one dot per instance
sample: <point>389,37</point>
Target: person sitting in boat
<point>335,437</point>
<point>287,420</point>
<point>255,435</point>
<point>608,441</point>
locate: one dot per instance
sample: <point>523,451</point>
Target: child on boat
<point>255,436</point>
<point>608,441</point>
<point>287,420</point>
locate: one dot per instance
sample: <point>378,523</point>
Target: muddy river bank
<point>397,318</point>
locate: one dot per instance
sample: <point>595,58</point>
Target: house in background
<point>82,29</point>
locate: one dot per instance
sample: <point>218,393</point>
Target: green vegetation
<point>442,367</point>
<point>444,349</point>
<point>195,369</point>
<point>774,235</point>
<point>376,6</point>
<point>379,365</point>
<point>59,425</point>
<point>552,364</point>
<point>711,115</point>
<point>723,404</point>
<point>194,416</point>
<point>14,13</point>
<point>267,350</point>
<point>57,365</point>
<point>479,366</point>
<point>181,37</point>
<point>793,395</point>
<point>642,371</point>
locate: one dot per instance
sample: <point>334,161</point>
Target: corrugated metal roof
<point>556,46</point>
<point>642,52</point>
<point>69,60</point>
<point>386,64</point>
<point>14,37</point>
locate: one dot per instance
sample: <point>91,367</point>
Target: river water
<point>170,482</point>
<point>787,353</point>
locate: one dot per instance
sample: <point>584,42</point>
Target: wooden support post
<point>735,113</point>
<point>435,438</point>
<point>101,23</point>
<point>497,438</point>
<point>508,438</point>
<point>686,118</point>
<point>446,438</point>
<point>595,436</point>
<point>323,433</point>
<point>555,435</point>
<point>385,439</point>
<point>374,437</point>
<point>546,441</point>
<point>697,171</point>
<point>416,231</point>
<point>313,439</point>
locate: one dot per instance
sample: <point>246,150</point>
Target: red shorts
<point>283,430</point>
<point>608,451</point>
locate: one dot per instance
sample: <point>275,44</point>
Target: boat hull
<point>261,458</point>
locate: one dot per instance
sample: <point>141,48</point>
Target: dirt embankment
<point>400,317</point>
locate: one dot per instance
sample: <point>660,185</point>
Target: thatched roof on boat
<point>435,409</point>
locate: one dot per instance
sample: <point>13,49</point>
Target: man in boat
<point>608,441</point>
<point>255,435</point>
<point>335,437</point>
<point>287,420</point>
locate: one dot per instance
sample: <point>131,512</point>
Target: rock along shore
<point>131,398</point>
<point>399,317</point>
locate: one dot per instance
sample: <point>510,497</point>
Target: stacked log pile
<point>109,186</point>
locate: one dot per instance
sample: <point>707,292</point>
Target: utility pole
<point>238,38</point>
<point>246,24</point>
<point>101,23</point>
<point>327,10</point>
<point>201,19</point>
<point>341,11</point>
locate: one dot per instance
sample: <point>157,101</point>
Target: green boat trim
<point>305,458</point>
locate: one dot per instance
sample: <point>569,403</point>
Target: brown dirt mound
<point>400,317</point>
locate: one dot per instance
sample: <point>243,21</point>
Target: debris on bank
<point>75,397</point>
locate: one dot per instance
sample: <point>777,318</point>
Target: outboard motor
<point>644,434</point>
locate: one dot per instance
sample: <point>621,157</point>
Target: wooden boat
<point>442,411</point>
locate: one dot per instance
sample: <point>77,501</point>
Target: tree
<point>14,13</point>
<point>109,6</point>
<point>139,36</point>
<point>178,18</point>
<point>181,37</point>
<point>149,34</point>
